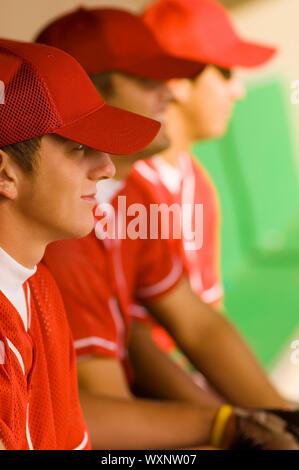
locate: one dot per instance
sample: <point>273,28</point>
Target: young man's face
<point>146,97</point>
<point>58,198</point>
<point>209,101</point>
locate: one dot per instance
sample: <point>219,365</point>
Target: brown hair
<point>24,153</point>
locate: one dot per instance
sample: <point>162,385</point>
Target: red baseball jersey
<point>104,282</point>
<point>189,184</point>
<point>39,405</point>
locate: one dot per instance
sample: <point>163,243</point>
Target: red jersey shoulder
<point>46,294</point>
<point>83,270</point>
<point>145,180</point>
<point>73,262</point>
<point>43,279</point>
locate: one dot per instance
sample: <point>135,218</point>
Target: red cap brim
<point>112,130</point>
<point>242,54</point>
<point>163,67</point>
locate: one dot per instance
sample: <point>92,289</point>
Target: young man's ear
<point>180,89</point>
<point>8,177</point>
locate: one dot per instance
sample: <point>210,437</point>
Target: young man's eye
<point>226,73</point>
<point>80,147</point>
<point>148,83</point>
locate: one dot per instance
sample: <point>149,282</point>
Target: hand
<point>292,419</point>
<point>263,430</point>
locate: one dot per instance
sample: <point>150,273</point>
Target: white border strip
<point>146,171</point>
<point>29,305</point>
<point>211,295</point>
<point>27,429</point>
<point>17,354</point>
<point>119,323</point>
<point>94,341</point>
<point>83,443</point>
<point>137,311</point>
<point>166,283</point>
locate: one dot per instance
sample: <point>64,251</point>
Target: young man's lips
<point>90,198</point>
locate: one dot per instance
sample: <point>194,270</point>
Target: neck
<point>123,164</point>
<point>20,240</point>
<point>179,134</point>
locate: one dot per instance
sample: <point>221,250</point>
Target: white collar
<point>12,274</point>
<point>169,174</point>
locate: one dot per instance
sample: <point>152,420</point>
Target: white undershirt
<point>12,277</point>
<point>169,174</point>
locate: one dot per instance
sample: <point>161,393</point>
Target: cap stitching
<point>82,116</point>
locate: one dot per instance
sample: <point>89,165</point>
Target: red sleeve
<point>159,267</point>
<point>159,271</point>
<point>81,270</point>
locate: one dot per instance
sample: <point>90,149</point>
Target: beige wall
<point>21,19</point>
<point>273,21</point>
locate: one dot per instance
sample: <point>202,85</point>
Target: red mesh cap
<point>112,39</point>
<point>202,30</point>
<point>45,91</point>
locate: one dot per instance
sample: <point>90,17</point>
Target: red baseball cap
<point>46,91</point>
<point>111,39</point>
<point>202,30</point>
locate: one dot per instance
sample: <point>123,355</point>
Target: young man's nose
<point>165,94</point>
<point>101,167</point>
<point>237,89</point>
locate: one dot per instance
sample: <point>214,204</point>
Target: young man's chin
<point>216,132</point>
<point>78,229</point>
